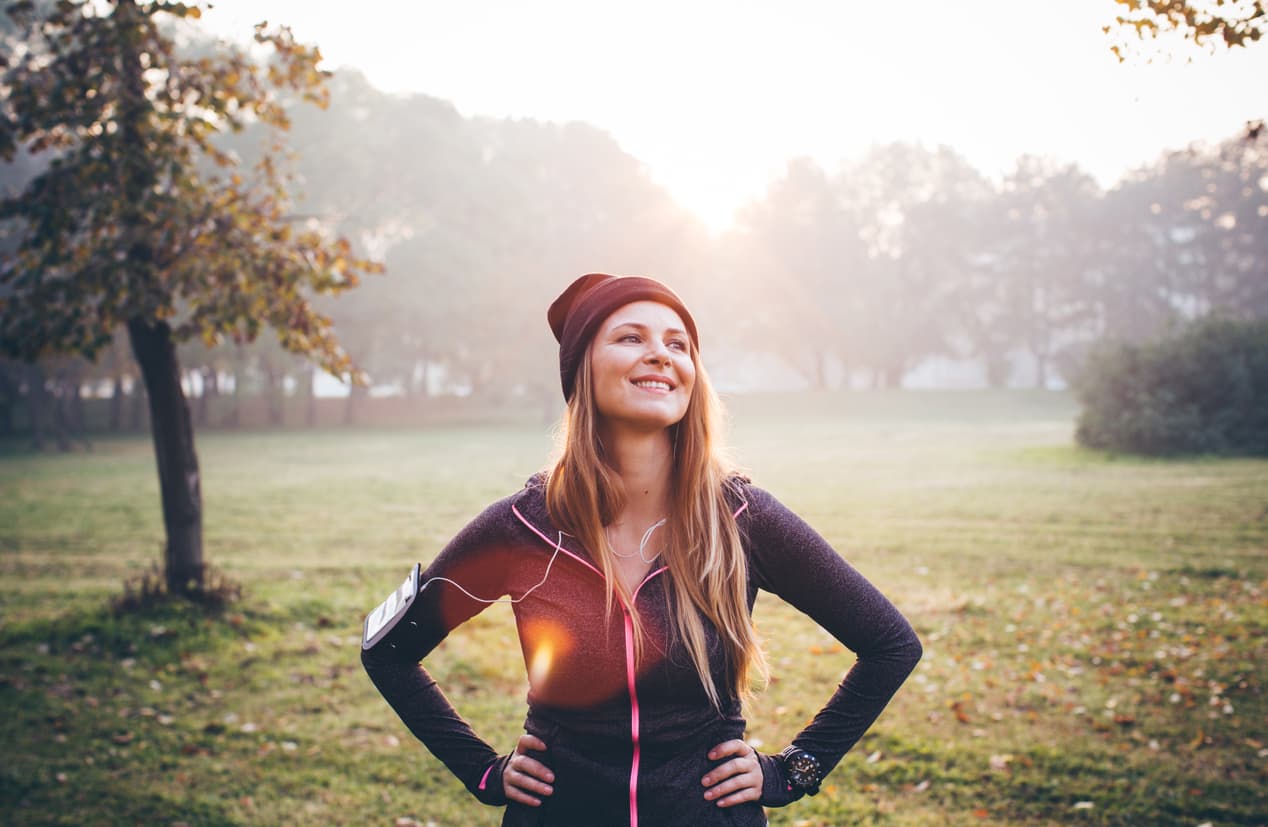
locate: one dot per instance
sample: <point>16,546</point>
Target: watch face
<point>803,769</point>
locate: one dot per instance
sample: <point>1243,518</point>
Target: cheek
<point>687,373</point>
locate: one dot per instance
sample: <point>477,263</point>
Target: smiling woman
<point>633,564</point>
<point>641,367</point>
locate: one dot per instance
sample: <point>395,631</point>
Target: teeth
<point>653,384</point>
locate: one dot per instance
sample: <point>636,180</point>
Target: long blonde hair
<point>707,567</point>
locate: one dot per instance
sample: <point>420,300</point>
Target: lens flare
<point>545,642</point>
<point>539,666</point>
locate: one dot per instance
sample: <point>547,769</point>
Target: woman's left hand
<point>737,780</point>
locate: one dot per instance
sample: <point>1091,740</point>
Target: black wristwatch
<point>801,769</point>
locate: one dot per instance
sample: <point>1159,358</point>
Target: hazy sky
<point>716,96</point>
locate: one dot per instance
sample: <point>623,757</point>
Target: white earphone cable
<point>559,545</point>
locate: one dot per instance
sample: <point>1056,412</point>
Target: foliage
<point>138,213</point>
<point>1210,23</point>
<point>1202,390</point>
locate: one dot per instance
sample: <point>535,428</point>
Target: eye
<point>679,344</point>
<point>630,337</point>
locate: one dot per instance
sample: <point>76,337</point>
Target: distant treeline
<point>850,277</point>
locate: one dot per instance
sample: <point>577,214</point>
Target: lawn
<point>1094,625</point>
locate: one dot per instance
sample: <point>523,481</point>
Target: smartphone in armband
<point>387,614</point>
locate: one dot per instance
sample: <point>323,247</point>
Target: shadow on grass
<point>155,635</point>
<point>1041,783</point>
<point>106,804</point>
<point>105,720</point>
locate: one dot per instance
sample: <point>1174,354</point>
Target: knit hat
<point>576,315</point>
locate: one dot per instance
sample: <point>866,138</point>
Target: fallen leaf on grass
<point>1084,805</point>
<point>981,812</point>
<point>1000,763</point>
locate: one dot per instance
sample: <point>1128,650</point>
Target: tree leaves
<point>127,221</point>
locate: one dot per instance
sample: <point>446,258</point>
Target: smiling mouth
<point>653,384</point>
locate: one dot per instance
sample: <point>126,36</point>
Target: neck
<point>644,462</point>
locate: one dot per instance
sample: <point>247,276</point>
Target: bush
<point>1203,389</point>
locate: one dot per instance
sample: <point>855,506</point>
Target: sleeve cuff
<point>776,791</point>
<point>488,786</point>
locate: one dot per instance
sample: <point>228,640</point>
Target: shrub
<point>1202,389</point>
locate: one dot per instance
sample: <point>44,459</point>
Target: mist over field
<point>1020,384</point>
<point>1093,625</point>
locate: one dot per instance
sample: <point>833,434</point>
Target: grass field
<point>1094,626</point>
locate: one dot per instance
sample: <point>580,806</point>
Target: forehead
<point>649,314</point>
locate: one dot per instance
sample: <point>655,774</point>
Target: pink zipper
<point>630,674</point>
<point>630,671</point>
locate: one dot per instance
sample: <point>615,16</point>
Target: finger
<point>744,786</point>
<point>532,768</point>
<point>746,794</point>
<point>736,766</point>
<point>729,776</point>
<point>525,788</point>
<point>529,743</point>
<point>732,747</point>
<point>514,794</point>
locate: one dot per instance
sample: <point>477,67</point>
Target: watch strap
<point>776,790</point>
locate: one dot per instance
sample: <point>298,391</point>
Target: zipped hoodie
<point>627,740</point>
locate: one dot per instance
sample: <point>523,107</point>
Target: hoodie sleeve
<point>477,559</point>
<point>790,559</point>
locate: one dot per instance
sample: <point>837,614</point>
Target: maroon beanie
<point>576,315</point>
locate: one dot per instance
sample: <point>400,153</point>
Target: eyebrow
<point>643,327</point>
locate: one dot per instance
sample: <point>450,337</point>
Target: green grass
<point>1094,625</point>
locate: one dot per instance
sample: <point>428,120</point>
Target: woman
<point>633,565</point>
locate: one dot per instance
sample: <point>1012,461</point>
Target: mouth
<point>653,384</point>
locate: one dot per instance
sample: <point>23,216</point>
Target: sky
<point>715,97</point>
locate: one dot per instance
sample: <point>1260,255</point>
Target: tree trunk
<point>273,391</point>
<point>58,406</point>
<point>200,408</point>
<point>1041,371</point>
<point>116,404</point>
<point>35,404</point>
<point>310,402</point>
<point>78,416</point>
<point>356,393</point>
<point>174,452</point>
<point>10,396</point>
<point>136,417</point>
<point>234,418</point>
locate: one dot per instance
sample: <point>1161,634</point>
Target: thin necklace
<point>642,544</point>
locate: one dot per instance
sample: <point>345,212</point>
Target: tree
<point>799,254</point>
<point>1210,23</point>
<point>906,292</point>
<point>1041,258</point>
<point>140,221</point>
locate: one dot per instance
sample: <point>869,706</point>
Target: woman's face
<point>640,363</point>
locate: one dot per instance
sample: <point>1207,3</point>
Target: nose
<point>657,353</point>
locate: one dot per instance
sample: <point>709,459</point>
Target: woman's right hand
<point>526,778</point>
